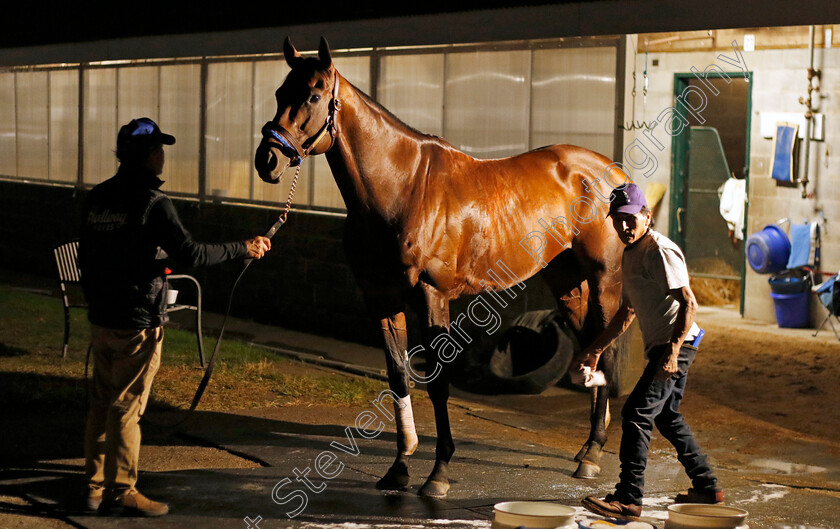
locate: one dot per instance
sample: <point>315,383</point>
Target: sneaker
<point>132,504</point>
<point>708,496</point>
<point>612,508</point>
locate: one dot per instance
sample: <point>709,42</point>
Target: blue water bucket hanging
<point>768,250</point>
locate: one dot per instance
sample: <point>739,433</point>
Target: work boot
<point>612,508</point>
<point>132,504</point>
<point>692,495</point>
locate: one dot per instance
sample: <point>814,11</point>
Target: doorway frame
<point>679,147</point>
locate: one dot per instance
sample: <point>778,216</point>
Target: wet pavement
<point>508,448</point>
<point>485,470</point>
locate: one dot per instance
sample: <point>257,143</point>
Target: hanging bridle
<point>274,133</point>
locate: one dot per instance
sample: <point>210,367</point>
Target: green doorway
<point>714,146</point>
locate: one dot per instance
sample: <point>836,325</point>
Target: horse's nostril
<point>271,164</point>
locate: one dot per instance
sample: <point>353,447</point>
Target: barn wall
<point>304,283</point>
<point>779,79</point>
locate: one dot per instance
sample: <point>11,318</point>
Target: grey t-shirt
<point>649,269</point>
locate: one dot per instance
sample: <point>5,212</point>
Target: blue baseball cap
<point>142,129</point>
<point>627,198</point>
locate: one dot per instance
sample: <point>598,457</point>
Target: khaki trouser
<point>124,364</point>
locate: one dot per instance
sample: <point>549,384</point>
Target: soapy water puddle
<point>767,492</point>
<point>785,467</point>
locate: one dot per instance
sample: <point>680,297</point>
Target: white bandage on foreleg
<point>405,425</point>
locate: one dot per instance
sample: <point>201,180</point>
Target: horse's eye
<point>315,98</point>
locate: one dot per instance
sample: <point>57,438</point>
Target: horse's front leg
<point>393,329</point>
<point>435,333</point>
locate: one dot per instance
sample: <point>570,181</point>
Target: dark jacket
<point>129,228</point>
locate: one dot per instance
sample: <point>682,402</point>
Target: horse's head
<point>304,123</point>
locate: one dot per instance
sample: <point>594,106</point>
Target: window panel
<point>100,125</point>
<point>32,124</point>
<point>8,149</point>
<point>411,87</point>
<point>486,113</point>
<point>180,115</point>
<point>573,97</point>
<point>64,125</point>
<point>357,71</point>
<point>137,93</point>
<point>229,156</point>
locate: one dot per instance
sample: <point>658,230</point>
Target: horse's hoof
<point>587,470</point>
<point>395,479</point>
<point>434,489</point>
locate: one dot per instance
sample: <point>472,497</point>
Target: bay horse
<point>425,222</point>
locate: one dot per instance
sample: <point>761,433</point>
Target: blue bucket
<point>768,250</point>
<point>792,310</point>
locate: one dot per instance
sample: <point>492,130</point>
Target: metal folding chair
<point>174,307</point>
<point>828,293</point>
<point>69,276</point>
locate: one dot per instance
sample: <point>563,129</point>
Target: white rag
<point>733,198</point>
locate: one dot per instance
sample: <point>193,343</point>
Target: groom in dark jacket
<point>129,229</point>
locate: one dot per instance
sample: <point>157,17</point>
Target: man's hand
<point>669,366</point>
<point>587,358</point>
<point>258,246</point>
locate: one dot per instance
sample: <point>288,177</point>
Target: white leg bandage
<point>406,434</point>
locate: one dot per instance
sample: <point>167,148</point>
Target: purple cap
<point>627,198</point>
<point>143,129</point>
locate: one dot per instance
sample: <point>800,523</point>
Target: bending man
<point>656,289</point>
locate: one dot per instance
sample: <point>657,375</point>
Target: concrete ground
<point>508,448</point>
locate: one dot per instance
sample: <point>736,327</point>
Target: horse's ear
<point>324,54</point>
<point>293,58</point>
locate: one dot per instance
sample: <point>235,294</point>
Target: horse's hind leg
<point>587,295</point>
<point>393,329</point>
<point>589,456</point>
<point>604,300</point>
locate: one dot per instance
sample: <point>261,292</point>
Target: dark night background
<point>72,23</point>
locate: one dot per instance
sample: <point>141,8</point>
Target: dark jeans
<point>657,402</point>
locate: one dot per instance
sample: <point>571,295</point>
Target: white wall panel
<point>573,98</point>
<point>487,93</point>
<point>229,156</point>
<point>180,115</point>
<point>411,87</point>
<point>64,125</point>
<point>8,155</point>
<point>100,120</point>
<point>32,124</point>
<point>138,91</point>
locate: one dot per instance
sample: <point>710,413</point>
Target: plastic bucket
<point>768,250</point>
<point>792,310</point>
